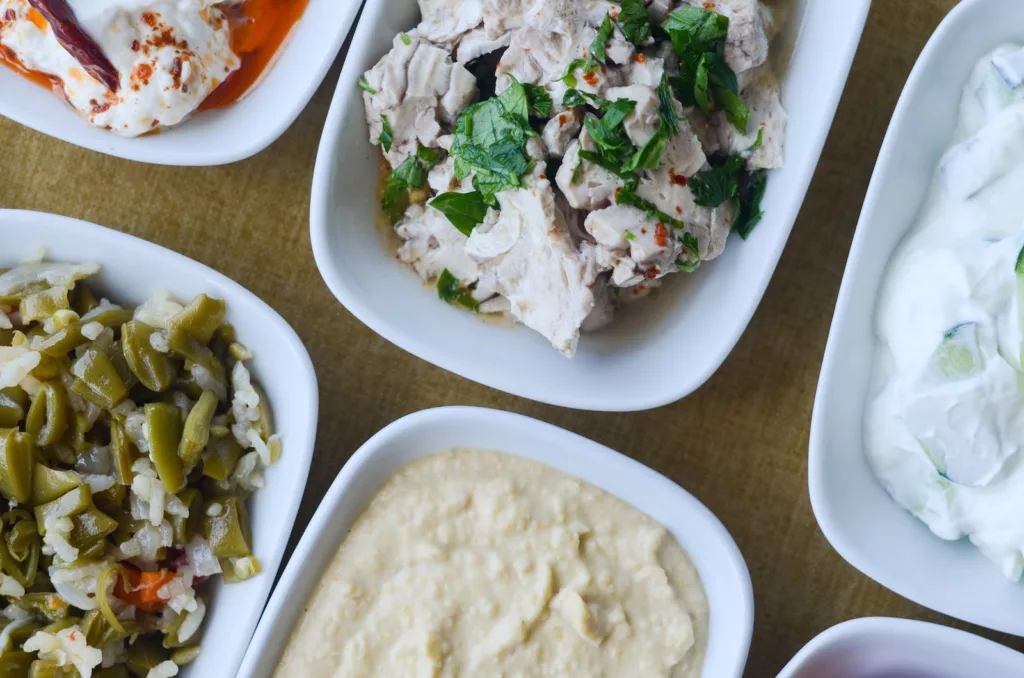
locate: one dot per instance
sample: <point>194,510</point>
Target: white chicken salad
<point>554,159</point>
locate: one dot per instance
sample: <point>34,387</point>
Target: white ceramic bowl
<point>880,647</point>
<point>857,516</point>
<point>703,316</point>
<point>132,270</point>
<point>213,137</point>
<point>709,545</point>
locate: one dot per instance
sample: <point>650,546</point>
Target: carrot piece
<point>142,588</point>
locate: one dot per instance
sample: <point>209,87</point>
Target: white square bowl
<point>215,137</point>
<point>713,552</point>
<point>858,517</point>
<point>132,270</point>
<point>672,343</point>
<point>879,647</point>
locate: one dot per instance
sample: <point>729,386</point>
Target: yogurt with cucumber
<point>945,427</point>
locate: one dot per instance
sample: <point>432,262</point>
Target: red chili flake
<point>149,19</point>
<point>591,79</point>
<point>543,176</point>
<point>641,58</point>
<point>643,231</point>
<point>660,235</point>
<point>562,120</point>
<point>143,72</point>
<point>10,15</point>
<point>98,108</point>
<point>679,210</point>
<point>651,273</point>
<point>176,72</point>
<point>136,46</point>
<point>614,12</point>
<point>642,288</point>
<point>156,123</point>
<point>677,179</point>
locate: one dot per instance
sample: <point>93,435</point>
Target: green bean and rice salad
<point>130,439</point>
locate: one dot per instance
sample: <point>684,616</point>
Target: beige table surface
<point>739,444</point>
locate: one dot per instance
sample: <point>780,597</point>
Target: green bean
<point>90,527</point>
<point>163,431</point>
<point>61,624</point>
<point>23,633</point>
<point>200,319</point>
<point>240,569</point>
<point>155,370</point>
<point>15,663</point>
<point>228,531</point>
<point>185,655</point>
<point>47,418</point>
<point>17,453</point>
<point>221,457</point>
<point>63,341</point>
<point>20,547</point>
<point>239,352</point>
<point>48,368</point>
<point>82,299</point>
<point>122,451</point>
<point>171,641</point>
<point>196,434</point>
<point>78,426</point>
<point>50,605</point>
<point>115,671</point>
<point>97,379</point>
<point>70,504</point>
<point>108,316</point>
<point>116,356</point>
<point>110,499</point>
<point>42,305</point>
<point>187,528</point>
<point>7,336</point>
<point>98,632</point>
<point>49,484</point>
<point>50,668</point>
<point>213,365</point>
<point>144,654</point>
<point>14,404</point>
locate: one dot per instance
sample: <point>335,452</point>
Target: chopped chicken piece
<point>555,33</point>
<point>430,244</point>
<point>478,42</point>
<point>683,155</point>
<point>560,131</point>
<point>761,94</point>
<point>619,50</point>
<point>635,246</point>
<point>441,178</point>
<point>417,87</point>
<point>604,304</point>
<point>594,186</point>
<point>710,226</point>
<point>659,9</point>
<point>644,120</point>
<point>750,25</point>
<point>647,72</point>
<point>446,21</point>
<point>527,256</point>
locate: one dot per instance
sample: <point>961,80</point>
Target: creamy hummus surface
<point>471,563</point>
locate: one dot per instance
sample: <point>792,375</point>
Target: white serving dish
<point>703,317</point>
<point>709,545</point>
<point>857,516</point>
<point>880,647</point>
<point>132,270</point>
<point>212,137</point>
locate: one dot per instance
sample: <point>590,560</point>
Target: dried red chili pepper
<point>77,42</point>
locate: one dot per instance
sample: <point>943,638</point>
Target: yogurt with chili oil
<point>945,432</point>
<point>169,55</point>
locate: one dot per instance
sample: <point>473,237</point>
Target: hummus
<point>471,563</point>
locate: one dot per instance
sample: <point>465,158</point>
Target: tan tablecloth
<point>739,443</point>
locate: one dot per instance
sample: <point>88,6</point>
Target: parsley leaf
<point>751,193</point>
<point>539,101</point>
<point>569,78</point>
<point>609,164</point>
<point>410,175</point>
<point>649,157</point>
<point>464,210</point>
<point>607,132</point>
<point>634,22</point>
<point>604,34</point>
<point>573,98</point>
<point>405,38</point>
<point>669,116</point>
<point>364,85</point>
<point>692,248</point>
<point>387,137</point>
<point>626,196</point>
<point>489,140</point>
<point>713,187</point>
<point>705,79</point>
<point>687,266</point>
<point>452,291</point>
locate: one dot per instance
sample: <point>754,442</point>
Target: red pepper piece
<point>77,42</point>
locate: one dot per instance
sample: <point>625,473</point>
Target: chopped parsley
<point>705,79</point>
<point>410,175</point>
<point>490,139</point>
<point>577,174</point>
<point>573,98</point>
<point>634,22</point>
<point>752,190</point>
<point>604,34</point>
<point>692,247</point>
<point>452,291</point>
<point>569,77</point>
<point>649,157</point>
<point>405,38</point>
<point>464,210</point>
<point>626,196</point>
<point>669,116</point>
<point>715,186</point>
<point>364,85</point>
<point>629,235</point>
<point>687,266</point>
<point>387,137</point>
<point>538,101</point>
